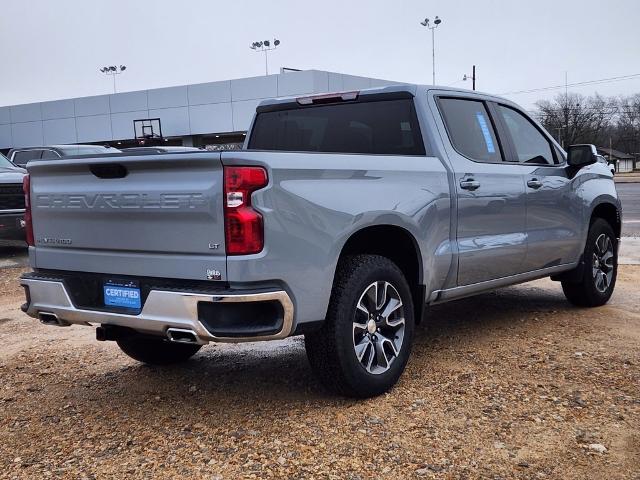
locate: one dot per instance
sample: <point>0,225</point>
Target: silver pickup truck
<point>343,218</point>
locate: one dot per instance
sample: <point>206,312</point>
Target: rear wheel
<point>156,351</point>
<point>365,342</point>
<point>600,268</point>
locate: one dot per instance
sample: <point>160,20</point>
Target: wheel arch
<point>609,212</point>
<point>400,246</point>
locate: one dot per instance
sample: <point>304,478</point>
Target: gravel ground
<point>512,384</point>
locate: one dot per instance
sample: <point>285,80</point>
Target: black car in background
<point>11,201</point>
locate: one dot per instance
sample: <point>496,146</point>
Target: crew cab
<point>344,217</point>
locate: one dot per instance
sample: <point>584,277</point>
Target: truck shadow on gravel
<point>481,315</point>
<point>226,378</point>
<point>12,254</point>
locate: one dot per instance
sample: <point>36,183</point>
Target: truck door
<point>491,230</point>
<point>553,209</point>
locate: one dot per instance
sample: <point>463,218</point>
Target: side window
<point>530,144</point>
<point>22,157</point>
<point>470,129</point>
<point>46,154</point>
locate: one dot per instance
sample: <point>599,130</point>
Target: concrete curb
<point>629,252</point>
<point>624,179</point>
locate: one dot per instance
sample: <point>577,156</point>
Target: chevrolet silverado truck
<point>343,219</point>
<point>12,225</point>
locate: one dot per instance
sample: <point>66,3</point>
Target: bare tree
<point>627,126</point>
<point>573,118</point>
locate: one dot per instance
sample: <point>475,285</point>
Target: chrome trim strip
<point>162,310</point>
<point>441,296</point>
<point>12,211</point>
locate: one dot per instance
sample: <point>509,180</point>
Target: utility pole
<point>566,104</point>
<point>473,77</point>
<point>611,155</point>
<point>560,141</point>
<point>432,27</point>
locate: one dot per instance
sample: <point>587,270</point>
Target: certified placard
<point>122,294</point>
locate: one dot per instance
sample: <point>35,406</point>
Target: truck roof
<point>391,90</point>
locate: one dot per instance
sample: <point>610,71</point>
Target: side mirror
<point>581,155</point>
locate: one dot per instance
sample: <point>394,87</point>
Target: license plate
<point>122,294</point>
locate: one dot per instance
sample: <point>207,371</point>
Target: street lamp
<point>113,71</point>
<point>432,27</point>
<point>265,46</point>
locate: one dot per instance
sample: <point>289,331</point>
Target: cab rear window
<point>386,127</point>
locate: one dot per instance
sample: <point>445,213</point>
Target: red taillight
<point>244,232</point>
<point>28,224</point>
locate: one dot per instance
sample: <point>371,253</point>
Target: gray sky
<point>51,49</point>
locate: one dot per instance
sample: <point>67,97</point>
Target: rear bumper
<point>12,226</point>
<point>162,310</point>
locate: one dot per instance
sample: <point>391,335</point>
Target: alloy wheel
<point>602,265</point>
<point>378,327</point>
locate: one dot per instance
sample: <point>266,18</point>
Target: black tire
<point>156,351</point>
<point>332,349</point>
<point>589,291</point>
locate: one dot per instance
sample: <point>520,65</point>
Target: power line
<point>608,110</point>
<point>454,83</point>
<point>576,84</point>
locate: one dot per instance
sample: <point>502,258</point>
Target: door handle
<point>534,183</point>
<point>469,184</point>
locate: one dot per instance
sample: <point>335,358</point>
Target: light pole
<point>265,46</point>
<point>432,27</point>
<point>113,71</point>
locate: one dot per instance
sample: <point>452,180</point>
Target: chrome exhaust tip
<point>181,335</point>
<point>48,318</point>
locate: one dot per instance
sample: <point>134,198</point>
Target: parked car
<point>21,156</point>
<point>160,149</point>
<point>344,218</point>
<point>610,166</point>
<point>11,201</point>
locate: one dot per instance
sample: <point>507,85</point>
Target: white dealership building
<point>200,114</point>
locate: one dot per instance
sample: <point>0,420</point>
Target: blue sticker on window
<point>485,131</point>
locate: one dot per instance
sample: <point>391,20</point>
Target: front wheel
<point>156,351</point>
<point>365,342</point>
<point>600,268</point>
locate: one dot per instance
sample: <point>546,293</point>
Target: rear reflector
<point>244,231</point>
<point>28,224</point>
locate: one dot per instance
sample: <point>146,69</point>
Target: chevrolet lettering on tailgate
<point>122,200</point>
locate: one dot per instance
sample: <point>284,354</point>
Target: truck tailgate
<point>148,215</point>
